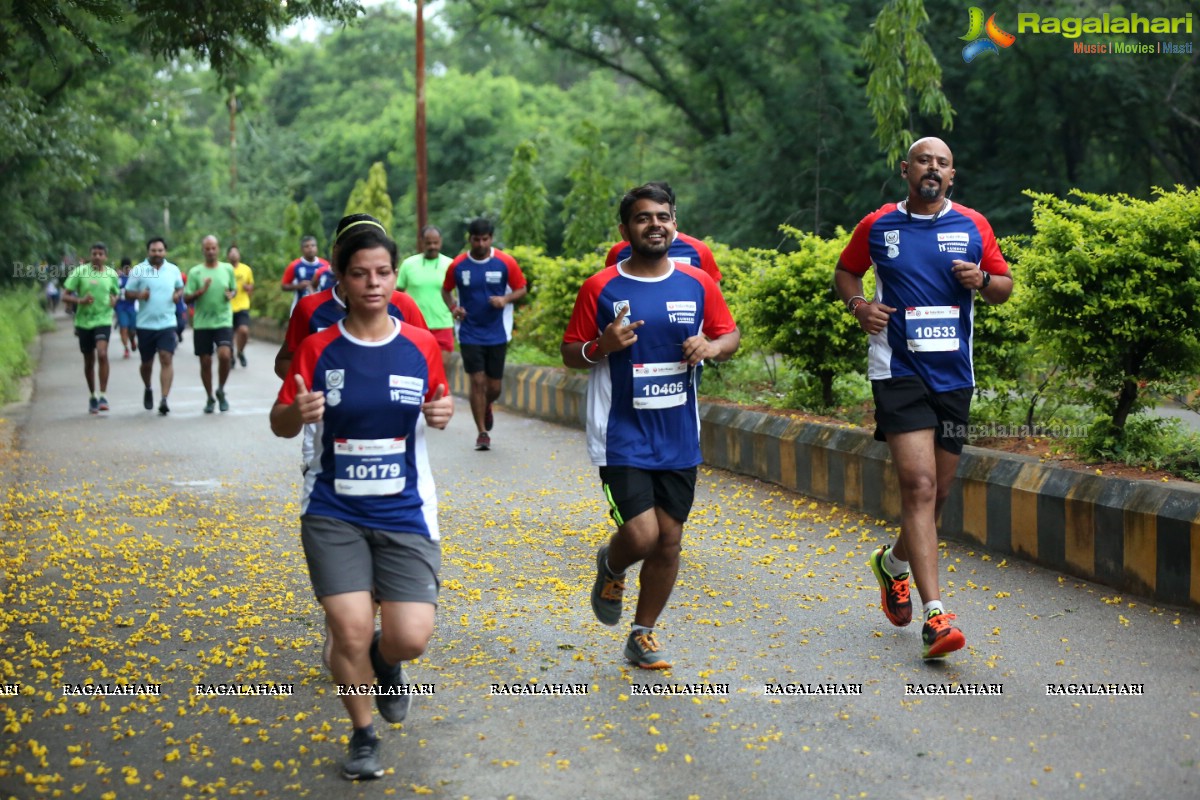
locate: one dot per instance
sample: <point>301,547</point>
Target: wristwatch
<point>987,278</point>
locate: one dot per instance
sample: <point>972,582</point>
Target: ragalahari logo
<point>984,38</point>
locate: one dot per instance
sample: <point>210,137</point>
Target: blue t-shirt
<point>157,313</point>
<point>371,466</point>
<point>641,405</point>
<point>931,332</point>
<point>477,282</point>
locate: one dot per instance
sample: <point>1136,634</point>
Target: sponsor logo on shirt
<point>682,312</point>
<point>892,240</point>
<point>618,307</point>
<point>493,276</point>
<point>954,242</point>
<point>406,389</point>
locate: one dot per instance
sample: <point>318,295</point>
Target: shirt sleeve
<point>992,259</point>
<point>516,278</point>
<point>289,274</point>
<point>409,309</point>
<point>297,330</point>
<point>303,364</point>
<point>856,257</point>
<point>449,284</point>
<point>718,321</point>
<point>582,326</point>
<point>708,262</point>
<point>613,253</point>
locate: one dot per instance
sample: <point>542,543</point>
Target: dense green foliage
<point>588,207</point>
<point>1114,291</point>
<point>524,211</point>
<point>21,317</point>
<point>371,196</point>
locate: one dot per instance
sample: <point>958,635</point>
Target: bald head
<point>929,171</point>
<point>211,249</point>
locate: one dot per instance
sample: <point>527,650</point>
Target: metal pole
<point>422,177</point>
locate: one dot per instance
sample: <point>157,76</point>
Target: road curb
<point>1135,536</point>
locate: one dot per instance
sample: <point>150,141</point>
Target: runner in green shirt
<point>213,286</point>
<point>422,276</point>
<point>93,289</point>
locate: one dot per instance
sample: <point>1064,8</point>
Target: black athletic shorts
<point>486,358</point>
<point>205,340</point>
<point>241,319</point>
<point>631,491</point>
<point>906,404</point>
<point>89,336</point>
<point>150,342</point>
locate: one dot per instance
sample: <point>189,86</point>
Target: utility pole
<point>233,160</point>
<point>422,177</point>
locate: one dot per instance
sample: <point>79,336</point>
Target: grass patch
<point>21,318</point>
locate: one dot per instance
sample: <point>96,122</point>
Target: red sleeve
<point>718,321</point>
<point>708,262</point>
<point>409,309</point>
<point>449,283</point>
<point>856,257</point>
<point>429,348</point>
<point>613,252</point>
<point>304,363</point>
<point>298,325</point>
<point>582,326</point>
<point>289,274</point>
<point>992,259</point>
<point>516,278</point>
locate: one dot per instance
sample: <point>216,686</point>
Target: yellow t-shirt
<point>243,275</point>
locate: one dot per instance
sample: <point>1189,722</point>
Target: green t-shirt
<point>99,284</point>
<point>422,278</point>
<point>212,307</point>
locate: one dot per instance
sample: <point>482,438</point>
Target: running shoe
<point>488,419</point>
<point>642,648</point>
<point>392,707</point>
<point>893,592</point>
<point>242,359</point>
<point>148,399</point>
<point>483,442</point>
<point>163,410</point>
<point>362,764</point>
<point>222,403</point>
<point>103,403</point>
<point>940,636</point>
<point>608,591</point>
<point>127,352</point>
<point>210,406</point>
<point>93,405</point>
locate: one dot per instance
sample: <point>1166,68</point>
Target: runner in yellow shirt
<point>240,305</point>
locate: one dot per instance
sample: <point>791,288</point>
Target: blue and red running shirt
<point>319,311</point>
<point>476,282</point>
<point>301,270</point>
<point>641,404</point>
<point>687,249</point>
<point>370,466</point>
<point>930,333</point>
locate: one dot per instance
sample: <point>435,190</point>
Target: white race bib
<point>931,329</point>
<point>661,385</point>
<point>368,467</point>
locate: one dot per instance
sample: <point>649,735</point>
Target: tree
<point>310,220</point>
<point>785,304</point>
<point>588,207</point>
<point>524,213</point>
<point>371,196</point>
<point>902,64</point>
<point>1114,292</point>
<point>227,35</point>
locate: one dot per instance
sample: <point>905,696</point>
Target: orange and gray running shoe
<point>608,590</point>
<point>940,636</point>
<point>642,648</point>
<point>893,592</point>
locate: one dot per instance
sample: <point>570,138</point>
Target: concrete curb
<point>1136,536</point>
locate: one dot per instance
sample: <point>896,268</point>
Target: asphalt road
<point>148,550</point>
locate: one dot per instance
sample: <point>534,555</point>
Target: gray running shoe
<point>607,591</point>
<point>393,701</point>
<point>642,648</point>
<point>362,764</point>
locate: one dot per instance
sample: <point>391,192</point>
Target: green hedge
<point>21,317</point>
